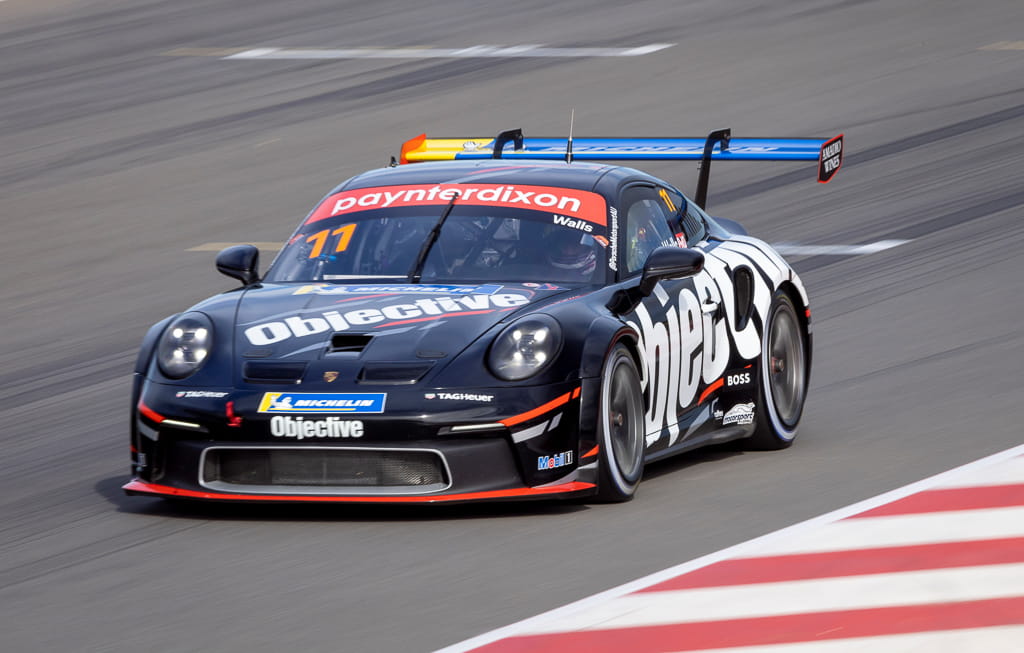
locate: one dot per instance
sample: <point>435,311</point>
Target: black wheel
<point>620,428</point>
<point>783,376</point>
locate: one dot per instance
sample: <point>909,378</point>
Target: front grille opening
<point>345,343</point>
<point>358,471</point>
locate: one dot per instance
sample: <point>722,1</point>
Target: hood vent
<point>393,373</point>
<point>273,372</point>
<point>349,343</point>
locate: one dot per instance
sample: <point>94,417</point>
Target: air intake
<point>393,373</point>
<point>743,282</point>
<point>273,371</point>
<point>310,470</point>
<point>349,343</point>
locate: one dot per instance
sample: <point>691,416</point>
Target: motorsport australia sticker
<point>739,414</point>
<point>307,402</point>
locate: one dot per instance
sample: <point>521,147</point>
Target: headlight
<point>185,345</point>
<point>525,347</point>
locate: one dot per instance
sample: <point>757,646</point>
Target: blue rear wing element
<point>717,146</point>
<point>658,149</point>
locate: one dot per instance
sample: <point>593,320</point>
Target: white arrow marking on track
<point>793,249</point>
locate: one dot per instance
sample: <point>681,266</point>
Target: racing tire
<point>620,427</point>
<point>783,377</point>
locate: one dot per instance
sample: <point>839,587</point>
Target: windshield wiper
<point>417,269</point>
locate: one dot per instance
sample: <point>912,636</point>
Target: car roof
<point>600,178</point>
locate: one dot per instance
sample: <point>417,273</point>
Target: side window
<point>675,204</point>
<point>688,219</point>
<point>646,225</point>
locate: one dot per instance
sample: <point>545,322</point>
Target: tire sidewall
<point>771,431</point>
<point>613,485</point>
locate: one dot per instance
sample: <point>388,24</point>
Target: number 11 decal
<point>320,239</point>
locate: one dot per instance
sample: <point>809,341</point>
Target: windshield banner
<point>562,201</point>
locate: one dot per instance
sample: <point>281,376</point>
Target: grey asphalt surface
<point>119,150</point>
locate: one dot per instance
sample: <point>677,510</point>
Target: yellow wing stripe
<point>422,148</point>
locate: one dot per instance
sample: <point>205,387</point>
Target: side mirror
<point>669,263</point>
<point>663,263</point>
<point>240,262</point>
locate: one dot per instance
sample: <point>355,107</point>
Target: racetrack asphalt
<point>126,139</point>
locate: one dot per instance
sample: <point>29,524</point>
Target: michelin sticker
<point>425,289</point>
<point>304,402</point>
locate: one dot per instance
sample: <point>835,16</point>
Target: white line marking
<point>1009,473</point>
<point>945,641</point>
<point>646,49</point>
<point>748,548</point>
<point>905,530</point>
<point>1004,45</point>
<point>837,250</point>
<point>253,54</point>
<point>796,597</point>
<point>473,52</point>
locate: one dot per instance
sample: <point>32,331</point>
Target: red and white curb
<point>935,566</point>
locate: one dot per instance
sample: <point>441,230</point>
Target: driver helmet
<point>568,249</point>
<point>643,239</point>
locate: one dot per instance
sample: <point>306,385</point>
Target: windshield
<point>494,233</point>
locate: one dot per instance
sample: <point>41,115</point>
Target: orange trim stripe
<point>592,452</point>
<point>141,487</point>
<point>575,393</point>
<point>150,413</point>
<point>539,410</point>
<point>711,388</point>
<point>431,317</point>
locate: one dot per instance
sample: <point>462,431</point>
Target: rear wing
<point>719,145</point>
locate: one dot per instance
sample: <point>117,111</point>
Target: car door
<point>683,334</point>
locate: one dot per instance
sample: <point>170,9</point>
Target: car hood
<point>378,322</point>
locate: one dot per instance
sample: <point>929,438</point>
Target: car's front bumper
<point>522,445</point>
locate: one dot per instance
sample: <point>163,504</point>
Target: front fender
<point>602,335</point>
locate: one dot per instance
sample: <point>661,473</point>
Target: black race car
<point>508,321</point>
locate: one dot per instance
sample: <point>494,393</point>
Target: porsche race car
<point>485,319</point>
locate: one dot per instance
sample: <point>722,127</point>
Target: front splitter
<point>139,487</point>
